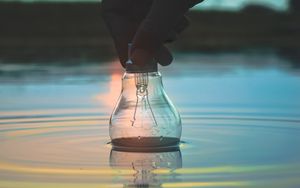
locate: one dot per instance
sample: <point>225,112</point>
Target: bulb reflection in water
<point>143,163</point>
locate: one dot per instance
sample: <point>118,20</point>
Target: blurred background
<point>73,29</point>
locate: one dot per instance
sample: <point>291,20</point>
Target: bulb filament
<point>141,83</point>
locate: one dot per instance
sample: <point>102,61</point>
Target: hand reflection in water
<point>144,163</point>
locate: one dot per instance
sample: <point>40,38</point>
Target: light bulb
<point>144,116</point>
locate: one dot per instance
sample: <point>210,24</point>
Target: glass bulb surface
<point>144,116</point>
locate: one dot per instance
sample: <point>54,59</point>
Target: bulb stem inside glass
<point>141,83</point>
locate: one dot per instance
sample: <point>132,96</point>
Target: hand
<point>147,24</point>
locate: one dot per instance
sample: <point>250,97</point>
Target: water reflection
<point>144,163</point>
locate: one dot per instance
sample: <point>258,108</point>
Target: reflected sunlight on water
<point>241,126</point>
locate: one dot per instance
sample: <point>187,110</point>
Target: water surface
<point>240,114</point>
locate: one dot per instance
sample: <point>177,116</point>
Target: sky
<point>207,4</point>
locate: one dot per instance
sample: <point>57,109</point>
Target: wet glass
<point>144,116</point>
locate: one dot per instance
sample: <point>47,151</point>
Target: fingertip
<point>164,56</point>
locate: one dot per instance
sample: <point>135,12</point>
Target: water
<point>146,142</point>
<point>240,115</point>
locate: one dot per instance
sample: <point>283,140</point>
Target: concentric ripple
<point>70,150</point>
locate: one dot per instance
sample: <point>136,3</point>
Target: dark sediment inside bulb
<point>145,143</point>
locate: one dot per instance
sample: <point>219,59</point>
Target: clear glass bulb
<point>144,116</point>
